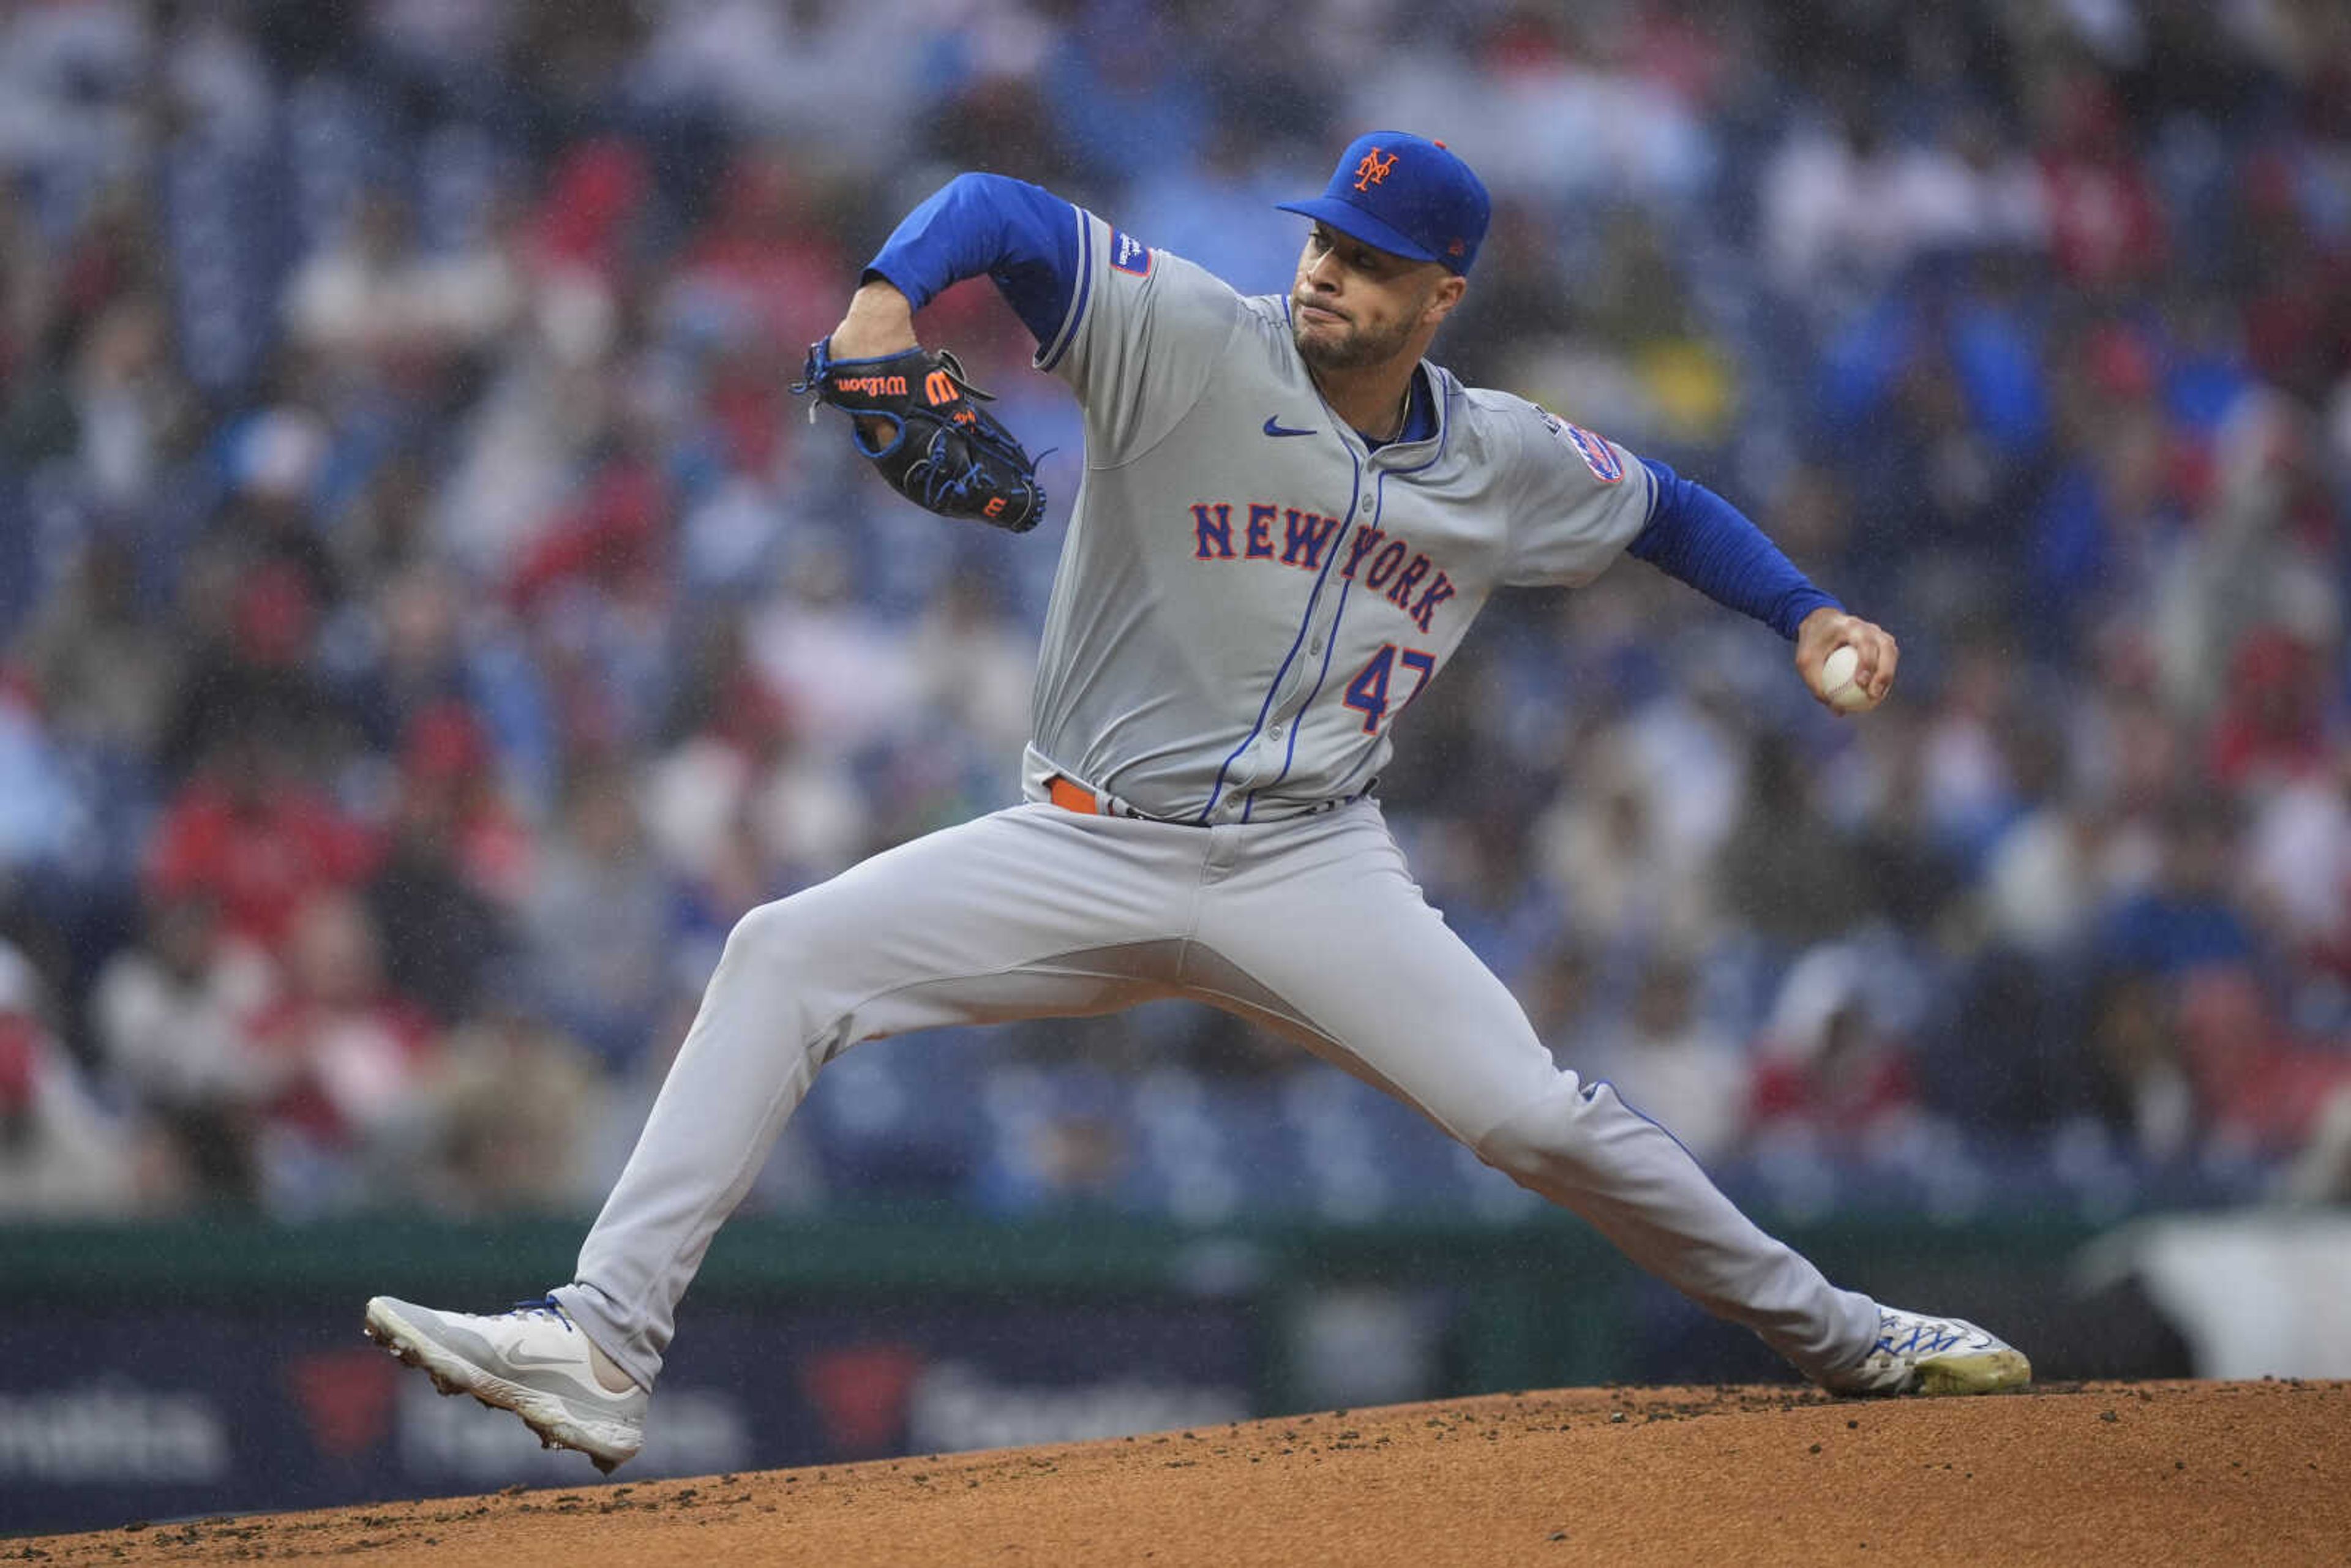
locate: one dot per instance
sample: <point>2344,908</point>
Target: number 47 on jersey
<point>1368,692</point>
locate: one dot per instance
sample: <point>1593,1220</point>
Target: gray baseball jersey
<point>1248,597</point>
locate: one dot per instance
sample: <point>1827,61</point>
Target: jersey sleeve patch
<point>1129,255</point>
<point>1597,455</point>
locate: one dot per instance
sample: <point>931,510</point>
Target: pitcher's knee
<point>782,935</point>
<point>1517,1154</point>
<point>783,966</point>
<point>1543,1144</point>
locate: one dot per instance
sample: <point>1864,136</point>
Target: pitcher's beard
<point>1350,348</point>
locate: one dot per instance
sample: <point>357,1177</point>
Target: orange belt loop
<point>1072,796</point>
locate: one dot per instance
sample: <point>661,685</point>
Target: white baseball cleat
<point>532,1360</point>
<point>1915,1353</point>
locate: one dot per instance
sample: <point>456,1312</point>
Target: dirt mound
<point>2066,1474</point>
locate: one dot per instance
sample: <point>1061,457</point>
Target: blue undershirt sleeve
<point>1022,237</point>
<point>1695,534</point>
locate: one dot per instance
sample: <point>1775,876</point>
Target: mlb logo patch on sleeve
<point>1129,255</point>
<point>1597,455</point>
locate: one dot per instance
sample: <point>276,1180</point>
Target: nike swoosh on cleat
<point>1273,429</point>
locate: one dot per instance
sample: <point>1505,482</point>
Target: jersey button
<point>1274,732</point>
<point>1315,645</point>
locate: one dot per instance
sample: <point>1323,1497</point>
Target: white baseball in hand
<point>1845,693</point>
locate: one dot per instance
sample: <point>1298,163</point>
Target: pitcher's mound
<point>2176,1472</point>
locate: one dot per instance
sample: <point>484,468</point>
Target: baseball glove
<point>945,453</point>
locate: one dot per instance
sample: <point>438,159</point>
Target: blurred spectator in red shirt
<point>594,194</point>
<point>250,835</point>
<point>447,762</point>
<point>753,290</point>
<point>2297,317</point>
<point>249,674</point>
<point>614,538</point>
<point>2266,1088</point>
<point>2273,726</point>
<point>765,266</point>
<point>2105,225</point>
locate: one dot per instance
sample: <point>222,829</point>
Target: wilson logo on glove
<point>945,454</point>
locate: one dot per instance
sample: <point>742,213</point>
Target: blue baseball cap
<point>1405,195</point>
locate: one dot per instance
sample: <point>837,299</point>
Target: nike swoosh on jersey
<point>1271,428</point>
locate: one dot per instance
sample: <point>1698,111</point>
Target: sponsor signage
<point>108,1418</point>
<point>111,1432</point>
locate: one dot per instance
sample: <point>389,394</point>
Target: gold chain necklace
<point>1403,410</point>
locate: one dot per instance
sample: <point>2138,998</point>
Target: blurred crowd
<point>427,622</point>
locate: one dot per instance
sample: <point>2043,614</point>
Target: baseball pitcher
<point>1289,518</point>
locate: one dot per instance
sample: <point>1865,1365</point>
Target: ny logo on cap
<point>1373,169</point>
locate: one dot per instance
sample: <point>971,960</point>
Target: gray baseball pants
<point>1310,926</point>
